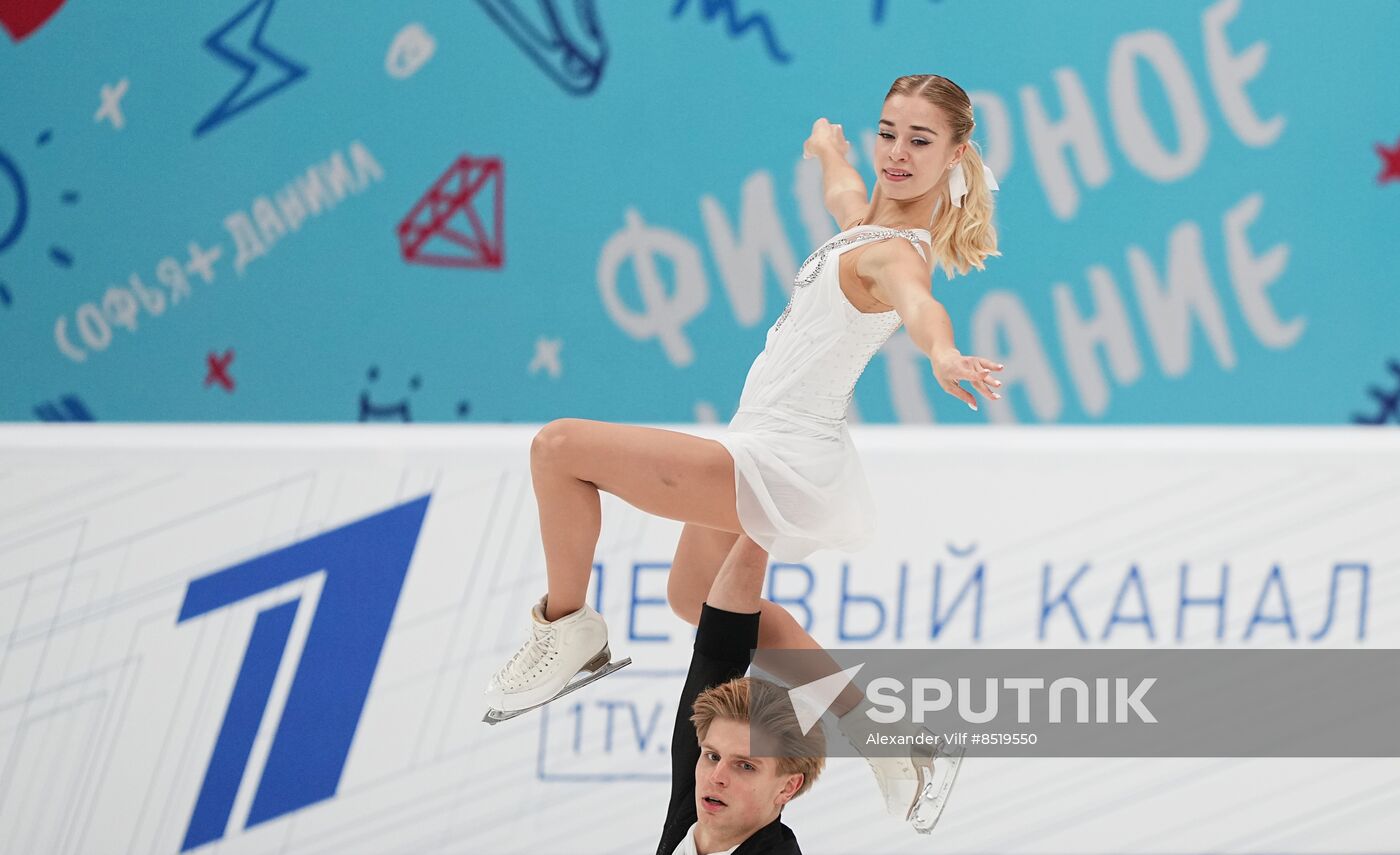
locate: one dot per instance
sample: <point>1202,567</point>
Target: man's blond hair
<point>766,708</point>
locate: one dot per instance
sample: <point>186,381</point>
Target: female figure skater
<point>785,473</point>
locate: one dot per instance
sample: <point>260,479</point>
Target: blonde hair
<point>765,707</point>
<point>962,237</point>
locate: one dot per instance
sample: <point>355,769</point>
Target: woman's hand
<point>825,136</point>
<point>951,368</point>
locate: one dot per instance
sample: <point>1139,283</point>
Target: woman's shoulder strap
<point>916,237</point>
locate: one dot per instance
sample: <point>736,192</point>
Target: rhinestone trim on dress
<point>826,249</point>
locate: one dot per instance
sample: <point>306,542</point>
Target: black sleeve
<point>724,645</point>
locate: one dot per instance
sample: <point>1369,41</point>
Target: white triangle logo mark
<point>811,700</point>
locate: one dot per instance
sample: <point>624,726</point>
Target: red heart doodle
<point>22,17</point>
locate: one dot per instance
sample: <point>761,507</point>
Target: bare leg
<point>739,581</point>
<point>700,556</point>
<point>665,473</point>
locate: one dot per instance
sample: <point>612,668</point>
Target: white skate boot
<point>545,666</point>
<point>915,785</point>
<point>937,783</point>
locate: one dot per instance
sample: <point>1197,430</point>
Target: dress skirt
<point>798,483</point>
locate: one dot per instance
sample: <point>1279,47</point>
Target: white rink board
<point>111,708</point>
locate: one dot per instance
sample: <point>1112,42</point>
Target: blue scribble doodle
<point>397,412</point>
<point>736,26</point>
<point>70,408</point>
<point>10,232</point>
<point>5,299</point>
<point>245,55</point>
<point>1389,401</point>
<point>572,56</point>
<point>877,10</point>
<point>962,553</point>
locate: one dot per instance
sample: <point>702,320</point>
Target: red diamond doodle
<point>446,227</point>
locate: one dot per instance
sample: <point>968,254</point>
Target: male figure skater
<point>724,801</point>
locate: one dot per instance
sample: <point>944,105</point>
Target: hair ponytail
<point>964,237</point>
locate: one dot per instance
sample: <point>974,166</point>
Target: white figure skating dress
<point>799,485</point>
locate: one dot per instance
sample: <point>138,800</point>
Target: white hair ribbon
<point>957,182</point>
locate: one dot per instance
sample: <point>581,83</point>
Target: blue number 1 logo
<point>364,563</point>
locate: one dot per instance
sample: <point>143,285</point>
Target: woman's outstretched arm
<point>843,190</point>
<point>901,279</point>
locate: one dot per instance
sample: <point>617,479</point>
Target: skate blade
<point>495,716</point>
<point>934,787</point>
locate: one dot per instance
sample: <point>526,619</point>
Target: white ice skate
<point>547,664</point>
<point>916,785</point>
<point>935,784</point>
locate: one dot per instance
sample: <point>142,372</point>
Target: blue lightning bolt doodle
<point>246,59</point>
<point>1389,401</point>
<point>573,57</point>
<point>709,9</point>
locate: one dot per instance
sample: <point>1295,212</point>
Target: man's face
<point>736,794</point>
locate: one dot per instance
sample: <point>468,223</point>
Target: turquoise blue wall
<point>1243,179</point>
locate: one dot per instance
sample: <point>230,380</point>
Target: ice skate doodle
<point>70,408</point>
<point>218,370</point>
<point>559,657</point>
<point>397,412</point>
<point>572,56</point>
<point>22,20</point>
<point>710,9</point>
<point>448,220</point>
<point>1389,401</point>
<point>247,52</point>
